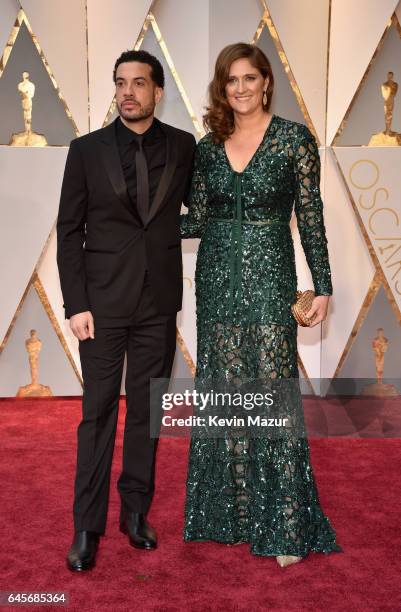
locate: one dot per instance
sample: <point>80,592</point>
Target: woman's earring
<point>264,99</point>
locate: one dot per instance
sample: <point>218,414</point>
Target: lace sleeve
<point>193,224</point>
<point>309,211</point>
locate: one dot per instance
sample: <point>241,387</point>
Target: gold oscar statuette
<point>34,389</point>
<point>379,389</point>
<point>27,138</point>
<point>388,138</point>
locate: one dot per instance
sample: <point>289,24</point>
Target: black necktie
<point>142,181</point>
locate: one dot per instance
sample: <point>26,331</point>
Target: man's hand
<point>319,307</point>
<point>82,325</point>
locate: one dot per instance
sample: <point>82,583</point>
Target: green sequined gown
<point>240,488</point>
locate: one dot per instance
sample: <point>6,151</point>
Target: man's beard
<point>142,113</point>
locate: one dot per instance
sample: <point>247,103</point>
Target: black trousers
<point>149,342</point>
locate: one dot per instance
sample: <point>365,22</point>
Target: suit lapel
<point>112,164</point>
<point>168,172</point>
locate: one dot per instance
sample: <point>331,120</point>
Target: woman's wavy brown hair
<point>219,118</point>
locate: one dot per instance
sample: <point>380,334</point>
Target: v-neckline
<point>267,130</point>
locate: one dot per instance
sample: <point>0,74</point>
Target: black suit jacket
<point>103,248</point>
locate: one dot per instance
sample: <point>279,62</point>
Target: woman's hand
<point>319,308</point>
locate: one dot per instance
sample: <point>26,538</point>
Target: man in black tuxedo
<point>120,265</point>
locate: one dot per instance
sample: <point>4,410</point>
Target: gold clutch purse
<point>301,306</point>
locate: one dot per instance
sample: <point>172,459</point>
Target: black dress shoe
<point>140,533</point>
<point>82,554</point>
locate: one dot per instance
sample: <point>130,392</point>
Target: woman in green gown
<point>251,169</point>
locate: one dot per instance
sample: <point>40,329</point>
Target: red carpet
<point>359,482</point>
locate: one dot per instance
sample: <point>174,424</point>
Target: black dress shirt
<point>154,146</point>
